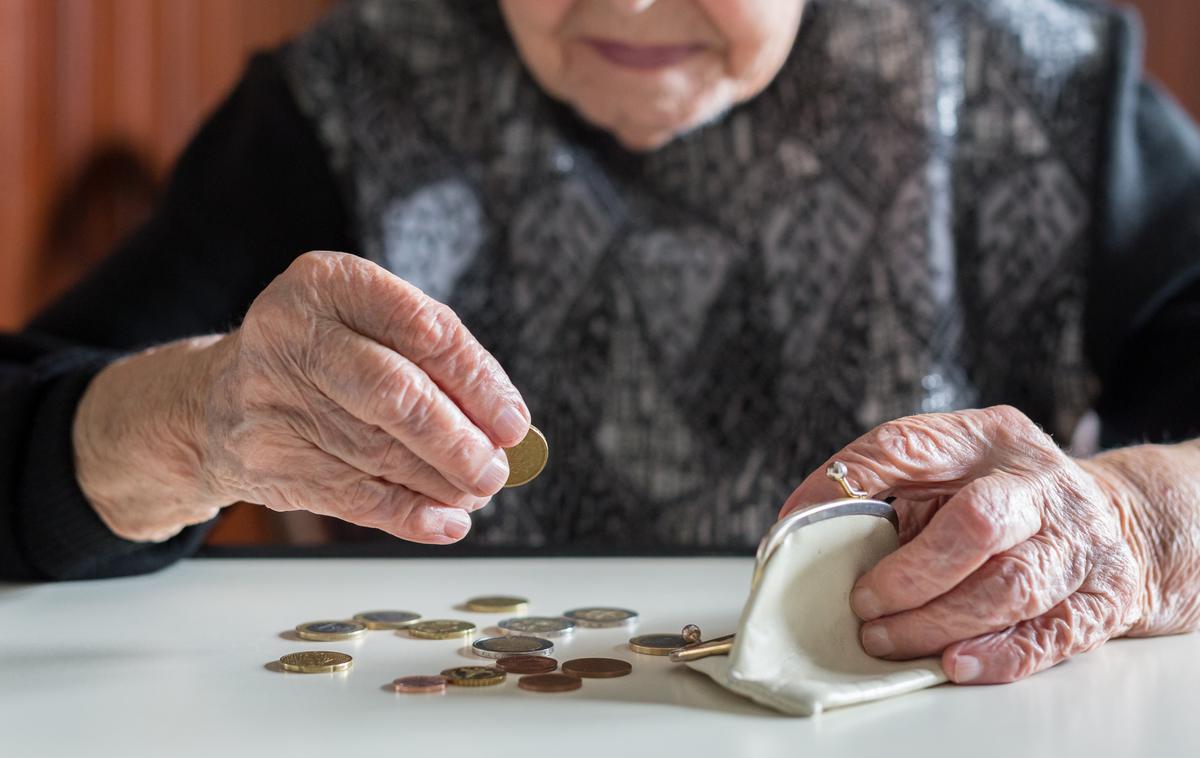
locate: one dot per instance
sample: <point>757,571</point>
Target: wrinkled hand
<point>348,392</point>
<point>1014,556</point>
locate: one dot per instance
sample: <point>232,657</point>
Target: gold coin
<point>527,458</point>
<point>656,644</point>
<point>474,676</point>
<point>497,604</point>
<point>331,631</point>
<point>441,629</point>
<point>316,662</point>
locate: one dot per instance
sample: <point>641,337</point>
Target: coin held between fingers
<point>527,458</point>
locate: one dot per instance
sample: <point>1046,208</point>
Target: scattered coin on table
<point>597,668</point>
<point>386,619</point>
<point>497,604</point>
<point>550,682</point>
<point>527,458</point>
<point>331,631</point>
<point>440,629</point>
<point>526,664</point>
<point>420,685</point>
<point>538,626</point>
<point>315,662</point>
<point>474,676</point>
<point>498,647</point>
<point>657,644</point>
<point>601,617</point>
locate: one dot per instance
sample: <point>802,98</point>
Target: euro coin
<point>386,619</point>
<point>440,629</point>
<point>601,617</point>
<point>597,668</point>
<point>550,683</point>
<point>526,664</point>
<point>538,626</point>
<point>420,685</point>
<point>315,662</point>
<point>527,458</point>
<point>474,676</point>
<point>498,647</point>
<point>497,604</point>
<point>656,644</point>
<point>331,631</point>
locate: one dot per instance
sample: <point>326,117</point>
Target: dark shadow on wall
<point>106,199</point>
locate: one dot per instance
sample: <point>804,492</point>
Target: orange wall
<point>75,74</point>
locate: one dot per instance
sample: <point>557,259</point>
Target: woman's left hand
<point>1015,556</point>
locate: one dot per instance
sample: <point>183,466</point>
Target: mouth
<point>643,57</point>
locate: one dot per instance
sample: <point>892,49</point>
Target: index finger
<point>918,457</point>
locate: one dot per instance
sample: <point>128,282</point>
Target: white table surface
<point>176,664</point>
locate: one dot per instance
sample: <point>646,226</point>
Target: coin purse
<point>797,646</point>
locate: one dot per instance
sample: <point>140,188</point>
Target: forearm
<point>1159,501</point>
<point>138,438</point>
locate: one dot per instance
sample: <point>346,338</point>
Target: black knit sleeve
<point>250,193</point>
<point>1143,331</point>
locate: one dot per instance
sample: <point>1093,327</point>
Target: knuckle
<point>432,327</point>
<point>403,398</point>
<point>975,519</point>
<point>1013,589</point>
<point>904,441</point>
<point>365,500</point>
<point>314,264</point>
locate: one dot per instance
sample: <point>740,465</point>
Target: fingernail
<point>865,604</point>
<point>510,425</point>
<point>496,473</point>
<point>966,669</point>
<point>456,525</point>
<point>876,640</point>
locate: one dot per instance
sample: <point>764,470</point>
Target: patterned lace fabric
<point>900,223</point>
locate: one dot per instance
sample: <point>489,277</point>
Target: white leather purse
<point>797,646</point>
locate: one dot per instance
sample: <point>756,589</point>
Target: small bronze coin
<point>420,684</point>
<point>550,683</point>
<point>597,668</point>
<point>526,664</point>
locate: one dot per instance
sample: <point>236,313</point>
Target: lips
<point>643,57</point>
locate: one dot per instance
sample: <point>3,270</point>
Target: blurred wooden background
<point>97,97</point>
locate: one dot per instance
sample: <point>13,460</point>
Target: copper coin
<point>526,664</point>
<point>550,683</point>
<point>597,668</point>
<point>420,684</point>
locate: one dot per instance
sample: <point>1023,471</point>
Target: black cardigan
<point>254,190</point>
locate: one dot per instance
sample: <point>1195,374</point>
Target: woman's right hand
<point>345,392</point>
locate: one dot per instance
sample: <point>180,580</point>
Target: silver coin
<point>602,617</point>
<point>538,626</point>
<point>386,619</point>
<point>326,631</point>
<point>498,647</point>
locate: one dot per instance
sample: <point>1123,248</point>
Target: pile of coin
<point>523,648</point>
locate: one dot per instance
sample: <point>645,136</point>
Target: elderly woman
<point>704,243</point>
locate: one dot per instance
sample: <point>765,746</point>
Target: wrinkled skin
<point>346,392</point>
<point>1014,556</point>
